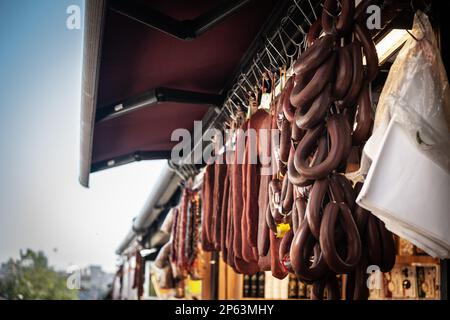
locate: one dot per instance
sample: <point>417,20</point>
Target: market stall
<point>322,170</point>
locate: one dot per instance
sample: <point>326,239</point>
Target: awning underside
<point>137,58</point>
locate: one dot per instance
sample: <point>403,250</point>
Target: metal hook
<point>257,79</point>
<point>288,56</point>
<point>247,93</point>
<point>313,10</point>
<point>272,59</point>
<point>303,13</point>
<point>240,99</point>
<point>283,21</point>
<point>257,68</point>
<point>233,112</point>
<point>252,87</point>
<point>299,27</point>
<point>227,109</point>
<point>328,12</point>
<point>278,52</point>
<point>258,55</point>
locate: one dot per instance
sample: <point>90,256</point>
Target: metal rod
<point>153,97</point>
<point>128,158</point>
<point>212,18</point>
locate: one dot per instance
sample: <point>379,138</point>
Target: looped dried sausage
<point>313,208</point>
<point>340,135</point>
<point>332,212</point>
<point>316,112</point>
<point>321,77</point>
<point>369,51</point>
<point>302,248</point>
<point>374,251</point>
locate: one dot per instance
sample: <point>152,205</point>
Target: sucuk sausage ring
<point>337,194</point>
<point>313,208</point>
<point>321,77</point>
<point>344,73</point>
<point>347,144</point>
<point>294,216</point>
<point>364,117</point>
<point>361,217</point>
<point>296,133</point>
<point>285,247</point>
<point>328,16</point>
<point>347,188</point>
<point>340,136</point>
<point>270,221</point>
<point>302,248</point>
<point>314,32</point>
<point>357,76</point>
<point>287,196</point>
<point>285,140</point>
<point>316,112</point>
<point>288,108</point>
<point>332,212</point>
<point>320,154</point>
<point>345,20</point>
<point>374,250</point>
<point>300,82</point>
<point>388,244</point>
<point>315,55</point>
<point>369,51</point>
<point>299,208</point>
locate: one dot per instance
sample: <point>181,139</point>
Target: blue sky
<point>42,205</point>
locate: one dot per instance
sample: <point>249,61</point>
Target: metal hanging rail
<point>275,48</point>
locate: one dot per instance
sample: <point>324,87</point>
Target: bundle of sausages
<point>323,112</point>
<point>328,104</point>
<point>233,215</point>
<point>182,250</point>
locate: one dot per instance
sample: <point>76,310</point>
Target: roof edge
<point>94,21</point>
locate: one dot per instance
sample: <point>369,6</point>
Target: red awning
<point>135,58</point>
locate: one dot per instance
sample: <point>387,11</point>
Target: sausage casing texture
<point>314,55</point>
<point>317,111</point>
<point>344,73</point>
<point>345,21</point>
<point>370,51</point>
<point>364,117</point>
<point>314,32</point>
<point>388,244</point>
<point>357,75</point>
<point>313,208</point>
<point>327,238</point>
<point>340,136</point>
<point>321,77</point>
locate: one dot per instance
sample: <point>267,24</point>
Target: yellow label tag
<point>194,286</point>
<point>282,229</point>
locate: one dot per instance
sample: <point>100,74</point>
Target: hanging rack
<point>274,52</point>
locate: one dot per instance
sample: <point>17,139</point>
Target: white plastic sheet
<point>417,92</point>
<point>407,159</point>
<point>409,192</point>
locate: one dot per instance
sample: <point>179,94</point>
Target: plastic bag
<point>417,92</point>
